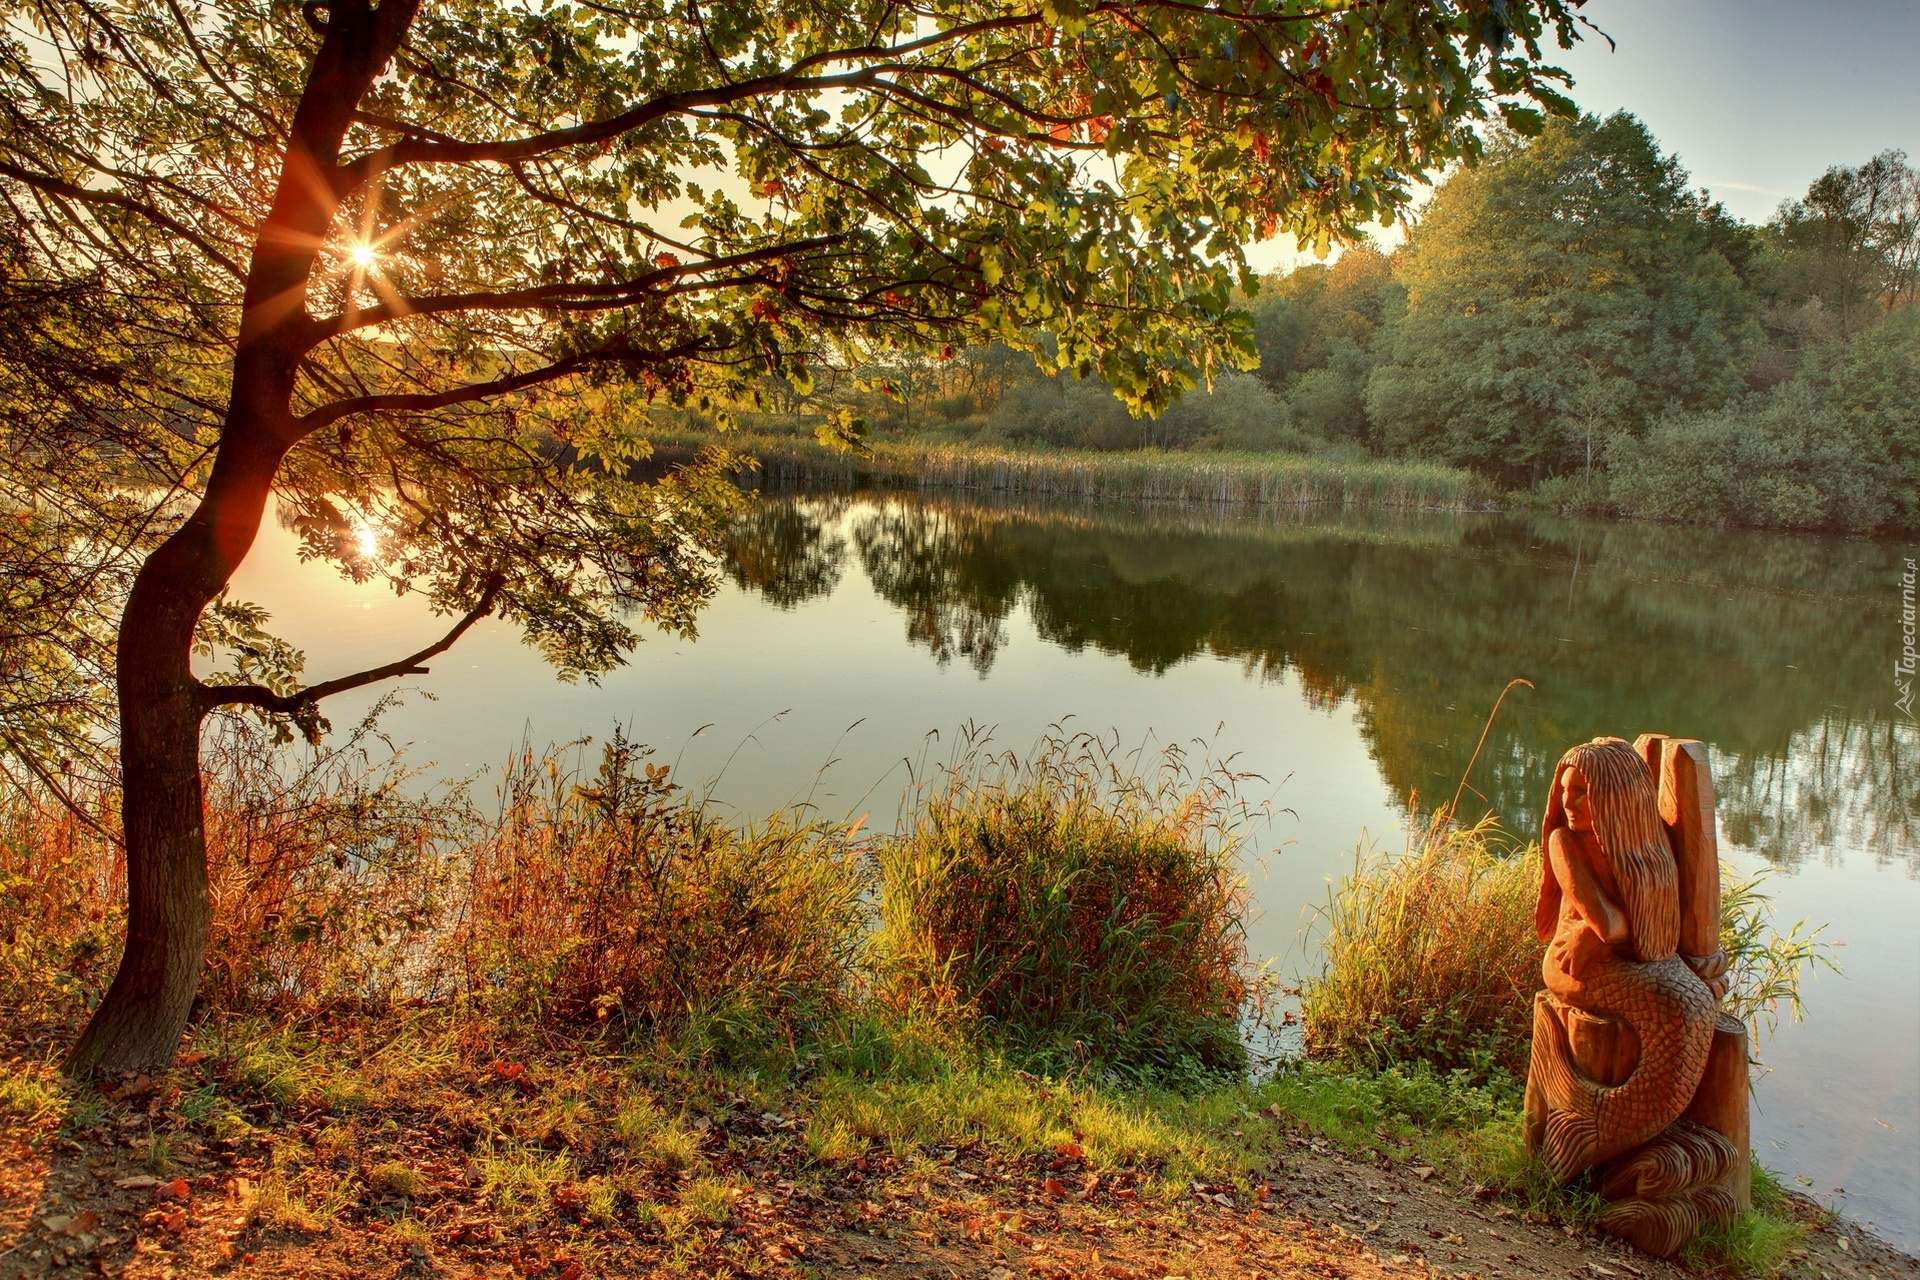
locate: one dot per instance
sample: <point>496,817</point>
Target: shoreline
<point>1218,481</point>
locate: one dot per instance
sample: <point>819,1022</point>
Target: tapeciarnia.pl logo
<point>1903,666</point>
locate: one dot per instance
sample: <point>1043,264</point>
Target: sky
<point>1756,97</point>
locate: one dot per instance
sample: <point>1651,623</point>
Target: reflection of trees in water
<point>1842,784</point>
<point>783,551</point>
<point>955,587</point>
<point>1747,641</point>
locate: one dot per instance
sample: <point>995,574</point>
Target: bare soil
<point>91,1204</point>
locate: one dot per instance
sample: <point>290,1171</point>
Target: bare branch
<point>253,695</point>
<point>114,199</point>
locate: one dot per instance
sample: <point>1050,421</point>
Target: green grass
<point>1430,956</point>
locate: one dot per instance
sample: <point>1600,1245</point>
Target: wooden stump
<point>1721,1104</point>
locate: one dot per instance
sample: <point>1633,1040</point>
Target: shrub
<point>628,899</point>
<point>1073,915</point>
<point>1577,494</point>
<point>326,878</point>
<point>1240,412</point>
<point>329,879</point>
<point>1430,957</point>
<point>1784,460</point>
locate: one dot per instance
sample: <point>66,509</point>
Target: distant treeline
<point>1570,320</point>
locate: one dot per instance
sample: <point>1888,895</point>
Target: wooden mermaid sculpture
<point>1624,1030</point>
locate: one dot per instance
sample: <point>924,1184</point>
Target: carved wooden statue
<point>1635,1075</point>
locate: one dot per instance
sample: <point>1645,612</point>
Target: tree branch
<point>605,296</point>
<point>425,401</point>
<point>416,149</point>
<point>253,695</point>
<point>114,199</point>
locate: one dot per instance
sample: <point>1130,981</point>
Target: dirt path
<point>92,1207</point>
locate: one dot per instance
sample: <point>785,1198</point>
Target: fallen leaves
<point>75,1224</point>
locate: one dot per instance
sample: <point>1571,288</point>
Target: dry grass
<point>1071,912</point>
<point>622,897</point>
<point>1430,956</point>
<point>1205,479</point>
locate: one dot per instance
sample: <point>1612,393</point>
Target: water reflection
<point>1772,649</point>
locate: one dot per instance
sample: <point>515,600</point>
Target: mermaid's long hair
<point>1626,822</point>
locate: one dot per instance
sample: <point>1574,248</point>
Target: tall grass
<point>1071,912</point>
<point>1236,480</point>
<point>623,897</point>
<point>1430,956</point>
<point>326,882</point>
<point>338,880</point>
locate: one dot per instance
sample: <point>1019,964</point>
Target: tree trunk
<point>139,1022</point>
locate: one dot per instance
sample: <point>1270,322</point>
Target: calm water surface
<point>1350,660</point>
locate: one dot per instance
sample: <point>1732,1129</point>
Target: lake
<point>1348,659</point>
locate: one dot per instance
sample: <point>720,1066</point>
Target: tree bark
<point>139,1022</point>
<point>144,1013</point>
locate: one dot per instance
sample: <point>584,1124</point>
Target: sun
<point>367,539</point>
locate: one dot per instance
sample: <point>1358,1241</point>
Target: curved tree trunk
<point>140,1021</point>
<point>144,1013</point>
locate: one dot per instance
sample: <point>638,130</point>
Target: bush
<point>1241,412</point>
<point>1784,460</point>
<point>1577,494</point>
<point>1071,915</point>
<point>1065,413</point>
<point>326,881</point>
<point>627,899</point>
<point>1430,957</point>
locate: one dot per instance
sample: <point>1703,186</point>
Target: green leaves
<point>1568,291</point>
<point>543,221</point>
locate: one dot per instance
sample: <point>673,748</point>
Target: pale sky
<point>1757,98</point>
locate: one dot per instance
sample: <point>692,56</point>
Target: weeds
<point>623,899</point>
<point>1764,965</point>
<point>394,1178</point>
<point>1071,912</point>
<point>1211,479</point>
<point>1430,957</point>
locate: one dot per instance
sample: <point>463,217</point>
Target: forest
<point>1571,321</point>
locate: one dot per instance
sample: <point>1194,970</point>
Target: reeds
<point>1430,956</point>
<point>1072,913</point>
<point>1228,480</point>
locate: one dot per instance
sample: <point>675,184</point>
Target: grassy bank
<point>584,1023</point>
<point>1198,479</point>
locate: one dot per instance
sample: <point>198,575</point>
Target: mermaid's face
<point>1573,799</point>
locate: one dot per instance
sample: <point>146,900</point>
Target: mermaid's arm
<point>1570,867</point>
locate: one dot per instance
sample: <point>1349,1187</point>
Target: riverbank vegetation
<point>590,1015</point>
<point>1212,478</point>
<point>1569,321</point>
